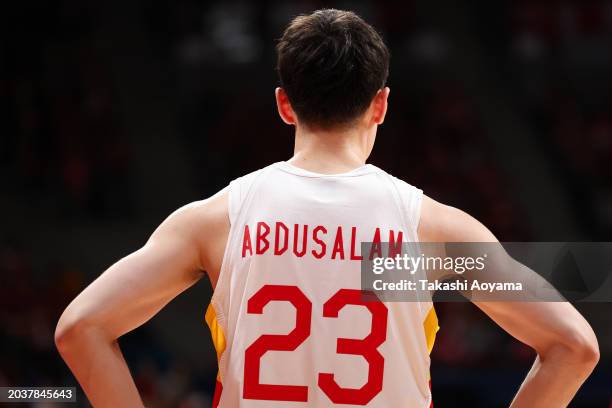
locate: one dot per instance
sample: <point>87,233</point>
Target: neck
<point>331,151</point>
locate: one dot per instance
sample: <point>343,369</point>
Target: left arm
<point>133,290</point>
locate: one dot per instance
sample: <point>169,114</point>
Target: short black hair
<point>331,63</point>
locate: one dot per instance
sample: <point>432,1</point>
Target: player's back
<point>288,318</point>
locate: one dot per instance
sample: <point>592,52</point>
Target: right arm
<point>566,346</point>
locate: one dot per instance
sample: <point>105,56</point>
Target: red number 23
<point>367,347</point>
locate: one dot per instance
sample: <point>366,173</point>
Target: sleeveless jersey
<point>288,319</point>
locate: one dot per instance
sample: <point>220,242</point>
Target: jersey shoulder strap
<point>241,191</point>
<point>409,199</point>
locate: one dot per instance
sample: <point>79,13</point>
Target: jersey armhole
<point>409,200</point>
<point>239,194</point>
<point>233,202</point>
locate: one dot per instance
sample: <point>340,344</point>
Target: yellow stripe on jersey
<point>216,331</point>
<point>430,325</point>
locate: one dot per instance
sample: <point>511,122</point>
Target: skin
<point>190,244</point>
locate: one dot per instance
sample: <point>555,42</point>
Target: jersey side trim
<point>430,325</point>
<point>216,332</point>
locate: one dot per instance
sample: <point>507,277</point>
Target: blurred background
<point>114,113</point>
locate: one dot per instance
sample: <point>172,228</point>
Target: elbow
<point>581,348</point>
<point>586,350</point>
<point>65,335</point>
<point>585,346</point>
<point>70,332</point>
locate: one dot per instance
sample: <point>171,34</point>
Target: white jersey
<point>288,319</point>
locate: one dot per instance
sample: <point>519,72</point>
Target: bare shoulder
<point>210,212</point>
<point>203,225</point>
<point>443,223</point>
<point>198,217</point>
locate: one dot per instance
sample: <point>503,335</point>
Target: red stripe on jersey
<point>217,395</point>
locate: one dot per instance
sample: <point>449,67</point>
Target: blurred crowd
<point>64,142</point>
<point>32,298</point>
<point>432,136</point>
<point>62,138</point>
<point>560,62</point>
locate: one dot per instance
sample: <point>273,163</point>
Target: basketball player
<point>281,248</point>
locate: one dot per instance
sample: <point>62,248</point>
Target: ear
<point>285,111</point>
<point>379,105</point>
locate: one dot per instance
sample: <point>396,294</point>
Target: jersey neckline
<point>290,168</point>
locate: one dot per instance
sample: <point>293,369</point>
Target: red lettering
<point>296,229</point>
<point>316,239</point>
<point>277,249</point>
<point>395,247</point>
<point>246,242</point>
<point>318,242</point>
<point>262,242</point>
<point>338,245</point>
<point>376,245</point>
<point>353,243</point>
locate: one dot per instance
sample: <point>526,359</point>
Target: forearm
<point>100,368</point>
<point>553,380</point>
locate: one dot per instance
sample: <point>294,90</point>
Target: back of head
<point>331,63</point>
